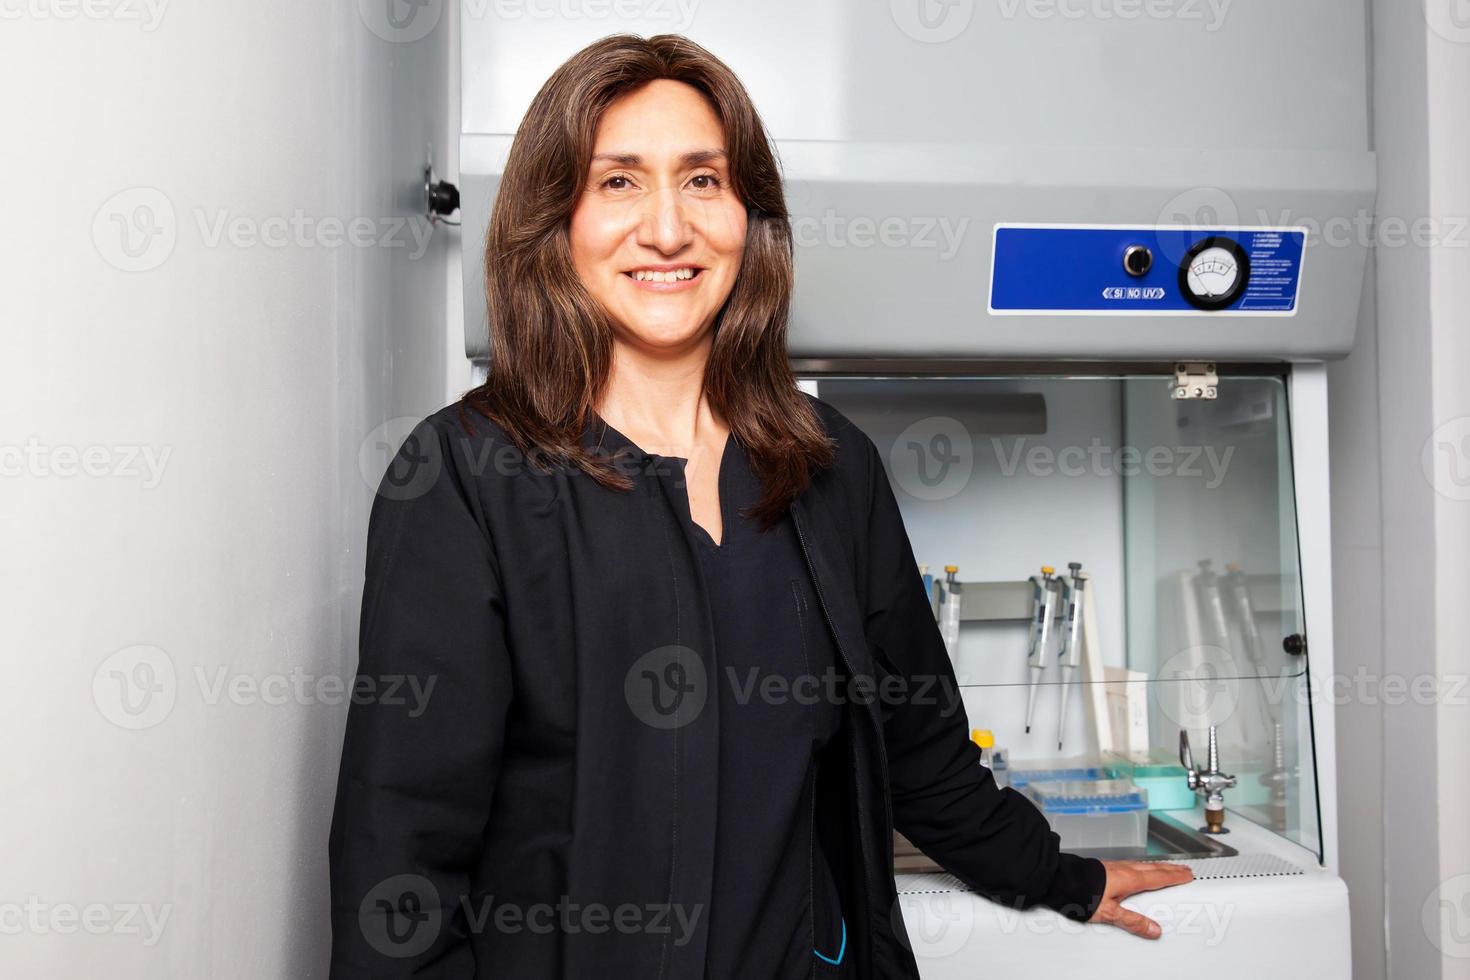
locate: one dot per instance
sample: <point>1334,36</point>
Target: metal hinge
<point>1195,379</point>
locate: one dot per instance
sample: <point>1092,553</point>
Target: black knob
<point>443,198</point>
<point>1295,644</point>
<point>1137,260</point>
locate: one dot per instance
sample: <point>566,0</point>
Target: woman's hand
<point>1129,878</point>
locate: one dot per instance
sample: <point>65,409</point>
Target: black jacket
<point>515,800</point>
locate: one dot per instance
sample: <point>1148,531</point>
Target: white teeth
<point>645,275</point>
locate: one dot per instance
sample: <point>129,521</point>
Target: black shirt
<point>776,912</point>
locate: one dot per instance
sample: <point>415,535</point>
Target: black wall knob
<point>1137,260</point>
<point>1295,644</point>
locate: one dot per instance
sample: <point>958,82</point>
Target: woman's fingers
<point>1131,921</point>
<point>1146,876</point>
<point>1161,875</point>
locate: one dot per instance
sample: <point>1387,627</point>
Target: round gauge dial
<point>1214,273</point>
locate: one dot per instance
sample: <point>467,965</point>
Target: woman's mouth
<point>665,280</point>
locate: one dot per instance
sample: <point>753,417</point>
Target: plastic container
<point>1164,781</point>
<point>985,739</point>
<point>1059,770</point>
<point>1094,813</point>
<point>1000,767</point>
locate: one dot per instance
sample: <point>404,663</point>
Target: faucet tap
<point>1209,782</point>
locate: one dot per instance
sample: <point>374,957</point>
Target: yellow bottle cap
<point>1047,569</point>
<point>951,568</point>
<point>982,737</point>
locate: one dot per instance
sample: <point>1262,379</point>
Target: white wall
<point>1401,416</point>
<point>1448,79</point>
<point>136,794</point>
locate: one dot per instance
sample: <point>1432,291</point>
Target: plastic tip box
<point>1094,813</point>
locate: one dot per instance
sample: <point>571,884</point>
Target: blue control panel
<point>1097,270</point>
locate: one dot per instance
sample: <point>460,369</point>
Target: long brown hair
<point>551,343</point>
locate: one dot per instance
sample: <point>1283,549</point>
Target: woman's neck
<point>657,398</point>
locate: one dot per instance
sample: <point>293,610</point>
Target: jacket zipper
<point>837,639</point>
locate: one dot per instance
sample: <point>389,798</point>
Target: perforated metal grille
<point>1205,869</point>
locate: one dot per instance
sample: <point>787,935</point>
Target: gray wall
<point>155,823</point>
<point>1400,525</point>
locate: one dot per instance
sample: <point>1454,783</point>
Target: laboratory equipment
<point>1208,782</point>
<point>1044,600</point>
<point>985,739</point>
<point>1117,308</point>
<point>1164,779</point>
<point>1092,814</point>
<point>1028,772</point>
<point>1071,655</point>
<point>950,601</point>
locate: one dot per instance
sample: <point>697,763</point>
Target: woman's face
<point>658,234</point>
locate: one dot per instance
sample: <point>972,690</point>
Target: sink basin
<point>1169,839</point>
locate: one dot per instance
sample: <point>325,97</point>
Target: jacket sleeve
<point>944,800</point>
<point>425,725</point>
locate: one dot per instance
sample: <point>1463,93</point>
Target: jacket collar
<point>600,437</point>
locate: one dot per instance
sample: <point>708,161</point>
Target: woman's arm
<point>944,801</point>
<point>425,726</point>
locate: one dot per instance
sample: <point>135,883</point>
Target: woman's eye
<point>714,181</point>
<point>608,183</point>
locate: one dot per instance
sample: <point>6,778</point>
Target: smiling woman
<point>654,688</point>
<point>643,167</point>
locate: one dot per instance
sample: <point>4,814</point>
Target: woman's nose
<point>664,221</point>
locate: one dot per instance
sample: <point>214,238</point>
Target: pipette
<point>1212,607</point>
<point>1044,599</point>
<point>1071,655</point>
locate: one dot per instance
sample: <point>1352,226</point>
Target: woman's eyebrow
<point>691,159</point>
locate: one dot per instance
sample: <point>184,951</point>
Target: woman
<point>681,678</point>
